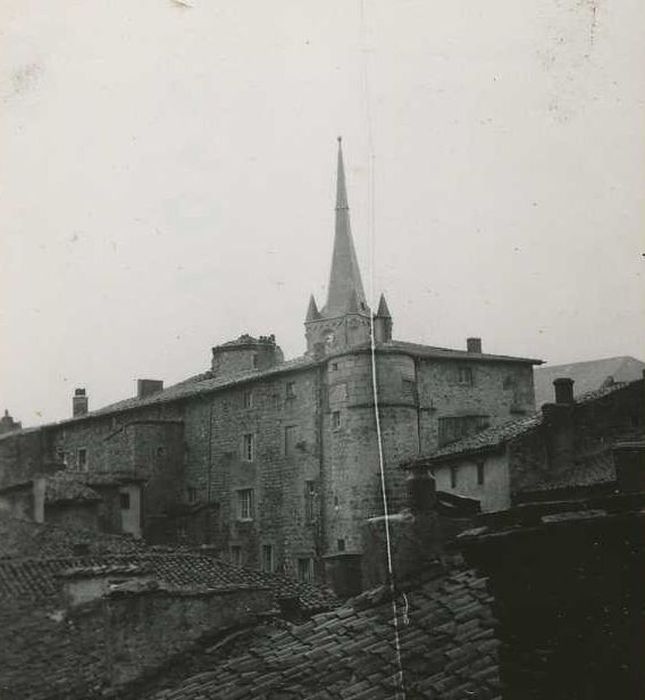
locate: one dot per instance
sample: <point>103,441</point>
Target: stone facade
<point>563,450</point>
<point>276,463</point>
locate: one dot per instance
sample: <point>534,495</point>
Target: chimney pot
<point>80,403</point>
<point>146,387</point>
<point>421,490</point>
<point>563,390</point>
<point>474,345</point>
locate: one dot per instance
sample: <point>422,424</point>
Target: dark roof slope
<point>37,579</point>
<point>499,434</point>
<point>587,376</point>
<point>447,648</point>
<point>24,538</point>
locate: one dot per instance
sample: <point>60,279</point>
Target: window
<point>310,501</point>
<point>340,545</point>
<point>290,390</point>
<point>267,558</point>
<point>248,447</point>
<point>82,458</point>
<point>334,366</point>
<point>480,473</point>
<point>61,457</point>
<point>409,389</point>
<point>453,477</point>
<point>124,499</point>
<point>236,555</point>
<point>247,399</point>
<point>289,440</point>
<point>335,420</point>
<point>245,504</point>
<point>465,376</point>
<point>192,494</point>
<point>452,428</point>
<point>254,360</point>
<point>305,569</point>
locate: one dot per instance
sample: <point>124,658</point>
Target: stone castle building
<point>276,463</point>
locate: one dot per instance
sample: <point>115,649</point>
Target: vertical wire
<point>371,227</point>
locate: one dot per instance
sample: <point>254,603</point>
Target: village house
<point>565,450</point>
<point>275,463</point>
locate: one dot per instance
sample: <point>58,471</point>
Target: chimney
<point>563,390</point>
<point>147,387</point>
<point>79,403</point>
<point>474,345</point>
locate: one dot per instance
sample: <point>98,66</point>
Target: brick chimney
<point>147,387</point>
<point>79,403</point>
<point>474,345</point>
<point>563,390</point>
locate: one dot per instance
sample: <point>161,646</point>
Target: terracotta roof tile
<point>351,652</point>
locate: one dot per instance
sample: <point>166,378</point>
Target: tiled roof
<point>36,579</point>
<point>587,376</point>
<point>62,487</point>
<point>499,434</point>
<point>23,538</point>
<point>447,644</point>
<point>588,471</point>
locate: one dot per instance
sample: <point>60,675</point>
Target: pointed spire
<point>383,310</point>
<point>345,276</point>
<point>312,310</point>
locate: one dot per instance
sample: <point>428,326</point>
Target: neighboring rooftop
<point>588,376</point>
<point>499,434</point>
<point>447,648</point>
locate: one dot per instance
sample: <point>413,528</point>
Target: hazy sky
<point>167,179</point>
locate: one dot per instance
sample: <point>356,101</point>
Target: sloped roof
<point>447,648</point>
<point>37,578</point>
<point>63,487</point>
<point>23,538</point>
<point>498,434</point>
<point>587,376</point>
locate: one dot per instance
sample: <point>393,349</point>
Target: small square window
<point>245,504</point>
<point>465,376</point>
<point>82,458</point>
<point>267,558</point>
<point>480,473</point>
<point>290,390</point>
<point>335,420</point>
<point>248,447</point>
<point>247,399</point>
<point>124,499</point>
<point>334,366</point>
<point>236,555</point>
<point>305,569</point>
<point>310,501</point>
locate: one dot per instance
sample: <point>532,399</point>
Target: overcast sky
<point>168,177</point>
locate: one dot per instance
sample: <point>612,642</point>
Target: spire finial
<point>345,276</point>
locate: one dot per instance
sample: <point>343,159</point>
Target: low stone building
<point>566,449</point>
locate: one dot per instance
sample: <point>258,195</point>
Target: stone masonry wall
<point>267,410</point>
<point>82,652</point>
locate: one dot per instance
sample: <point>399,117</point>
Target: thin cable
<point>371,227</point>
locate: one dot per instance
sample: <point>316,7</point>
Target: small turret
<point>382,322</point>
<point>312,310</point>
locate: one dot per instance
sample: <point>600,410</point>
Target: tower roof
<point>345,284</point>
<point>383,310</point>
